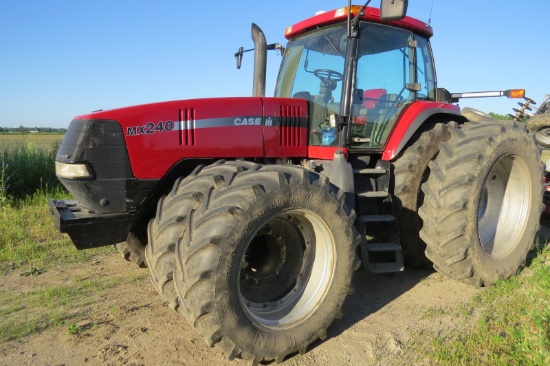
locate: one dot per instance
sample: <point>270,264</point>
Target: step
<point>377,218</point>
<point>370,171</point>
<point>382,247</point>
<point>373,194</point>
<point>378,266</point>
<point>390,267</point>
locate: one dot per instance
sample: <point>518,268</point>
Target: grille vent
<point>290,126</point>
<point>187,127</point>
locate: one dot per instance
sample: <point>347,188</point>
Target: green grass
<point>26,169</point>
<point>27,178</point>
<point>507,324</point>
<point>30,244</point>
<point>30,240</point>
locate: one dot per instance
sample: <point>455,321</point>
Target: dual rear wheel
<point>258,258</point>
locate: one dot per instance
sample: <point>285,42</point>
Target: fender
<point>411,120</point>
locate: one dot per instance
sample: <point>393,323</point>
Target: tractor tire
<point>483,202</point>
<point>170,223</point>
<point>133,249</point>
<point>540,126</point>
<point>266,261</point>
<point>410,172</point>
<point>475,115</point>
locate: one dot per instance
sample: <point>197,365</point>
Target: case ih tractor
<point>253,213</point>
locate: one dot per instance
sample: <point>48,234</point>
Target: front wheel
<point>483,202</point>
<point>266,261</point>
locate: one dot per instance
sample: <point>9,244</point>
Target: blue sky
<point>63,58</point>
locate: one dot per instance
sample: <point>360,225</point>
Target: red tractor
<point>253,213</point>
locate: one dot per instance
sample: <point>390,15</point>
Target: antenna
<point>349,18</point>
<point>432,8</point>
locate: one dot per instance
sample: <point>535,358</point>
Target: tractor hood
<point>159,135</point>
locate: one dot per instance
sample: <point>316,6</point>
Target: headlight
<point>72,171</point>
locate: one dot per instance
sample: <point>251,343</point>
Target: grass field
<point>31,139</point>
<point>27,164</point>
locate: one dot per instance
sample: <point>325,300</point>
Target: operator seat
<point>372,96</point>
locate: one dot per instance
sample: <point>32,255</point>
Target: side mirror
<point>393,9</point>
<point>239,57</point>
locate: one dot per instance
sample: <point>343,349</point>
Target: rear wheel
<point>483,202</point>
<point>266,261</point>
<point>410,171</point>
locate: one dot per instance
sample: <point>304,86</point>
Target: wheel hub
<point>504,206</point>
<point>286,268</point>
<point>272,262</point>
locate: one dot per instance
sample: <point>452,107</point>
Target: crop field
<point>31,139</point>
<point>27,164</point>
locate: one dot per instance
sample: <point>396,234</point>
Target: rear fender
<point>413,118</point>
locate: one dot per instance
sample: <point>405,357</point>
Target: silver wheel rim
<point>543,135</point>
<point>504,206</point>
<point>309,287</point>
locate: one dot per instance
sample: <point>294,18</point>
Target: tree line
<point>22,129</point>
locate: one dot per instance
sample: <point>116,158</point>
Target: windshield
<point>312,69</point>
<point>392,72</point>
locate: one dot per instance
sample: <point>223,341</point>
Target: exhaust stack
<point>260,61</point>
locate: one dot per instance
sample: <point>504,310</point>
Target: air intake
<point>187,127</point>
<point>290,126</point>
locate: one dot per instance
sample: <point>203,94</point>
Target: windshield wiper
<point>330,41</point>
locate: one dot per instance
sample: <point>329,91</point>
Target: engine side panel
<point>161,134</point>
<point>158,135</point>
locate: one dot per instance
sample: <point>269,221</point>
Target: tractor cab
<point>389,67</point>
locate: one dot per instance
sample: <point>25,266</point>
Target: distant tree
<point>499,116</point>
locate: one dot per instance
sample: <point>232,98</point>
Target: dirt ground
<point>126,322</point>
<point>140,330</point>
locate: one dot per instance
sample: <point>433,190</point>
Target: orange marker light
<point>515,93</point>
<point>344,11</point>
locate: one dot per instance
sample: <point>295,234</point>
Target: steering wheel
<point>328,75</point>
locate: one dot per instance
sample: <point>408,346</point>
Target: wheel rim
<point>543,135</point>
<point>287,269</point>
<point>504,206</point>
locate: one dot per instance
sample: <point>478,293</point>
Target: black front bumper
<point>88,229</point>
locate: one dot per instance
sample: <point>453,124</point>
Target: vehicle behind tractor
<point>252,214</point>
<point>539,122</point>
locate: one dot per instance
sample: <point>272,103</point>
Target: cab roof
<point>371,15</point>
